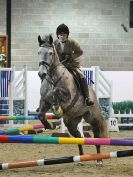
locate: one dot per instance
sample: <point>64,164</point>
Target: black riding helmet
<point>62,28</point>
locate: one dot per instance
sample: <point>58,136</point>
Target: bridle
<point>51,66</point>
<point>44,63</point>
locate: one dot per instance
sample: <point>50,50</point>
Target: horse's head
<point>46,54</point>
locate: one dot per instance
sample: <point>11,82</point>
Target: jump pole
<point>69,159</point>
<point>60,140</point>
<point>22,129</point>
<point>30,117</point>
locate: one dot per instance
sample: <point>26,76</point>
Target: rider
<point>70,51</point>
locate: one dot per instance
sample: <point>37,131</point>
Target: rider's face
<point>63,37</point>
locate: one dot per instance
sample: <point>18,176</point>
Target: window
<point>3,51</point>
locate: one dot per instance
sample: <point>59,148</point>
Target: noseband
<point>44,63</point>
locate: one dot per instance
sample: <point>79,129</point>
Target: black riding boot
<point>85,90</point>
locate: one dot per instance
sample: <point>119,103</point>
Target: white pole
<point>10,96</point>
<point>97,81</point>
<point>25,94</point>
<point>111,95</point>
<point>63,127</point>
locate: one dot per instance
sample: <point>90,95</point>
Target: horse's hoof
<point>37,110</point>
<point>21,133</point>
<point>58,110</point>
<point>99,163</point>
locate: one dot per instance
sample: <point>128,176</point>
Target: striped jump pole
<point>30,117</point>
<point>22,129</point>
<point>69,159</point>
<point>60,140</point>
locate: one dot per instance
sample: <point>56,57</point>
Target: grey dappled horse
<point>59,91</point>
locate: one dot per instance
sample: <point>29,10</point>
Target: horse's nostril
<point>42,75</point>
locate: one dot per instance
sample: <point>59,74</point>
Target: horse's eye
<point>50,53</point>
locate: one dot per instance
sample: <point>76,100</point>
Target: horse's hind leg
<point>72,128</point>
<point>96,128</point>
<point>96,131</point>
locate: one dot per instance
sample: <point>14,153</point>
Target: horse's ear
<point>50,39</point>
<point>39,40</point>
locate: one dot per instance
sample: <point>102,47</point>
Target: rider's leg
<point>85,90</point>
<point>84,87</point>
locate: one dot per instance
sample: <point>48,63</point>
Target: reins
<point>52,81</point>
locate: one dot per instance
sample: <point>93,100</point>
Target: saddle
<point>69,65</point>
<point>76,77</point>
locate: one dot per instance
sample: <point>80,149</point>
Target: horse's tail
<point>96,112</point>
<point>103,127</point>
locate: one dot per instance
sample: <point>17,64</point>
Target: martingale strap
<point>73,102</point>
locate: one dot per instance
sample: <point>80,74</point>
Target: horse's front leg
<point>43,108</point>
<point>73,130</point>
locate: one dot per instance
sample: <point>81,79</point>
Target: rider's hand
<point>67,56</point>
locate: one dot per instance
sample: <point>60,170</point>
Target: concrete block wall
<point>95,24</point>
<point>2,17</point>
